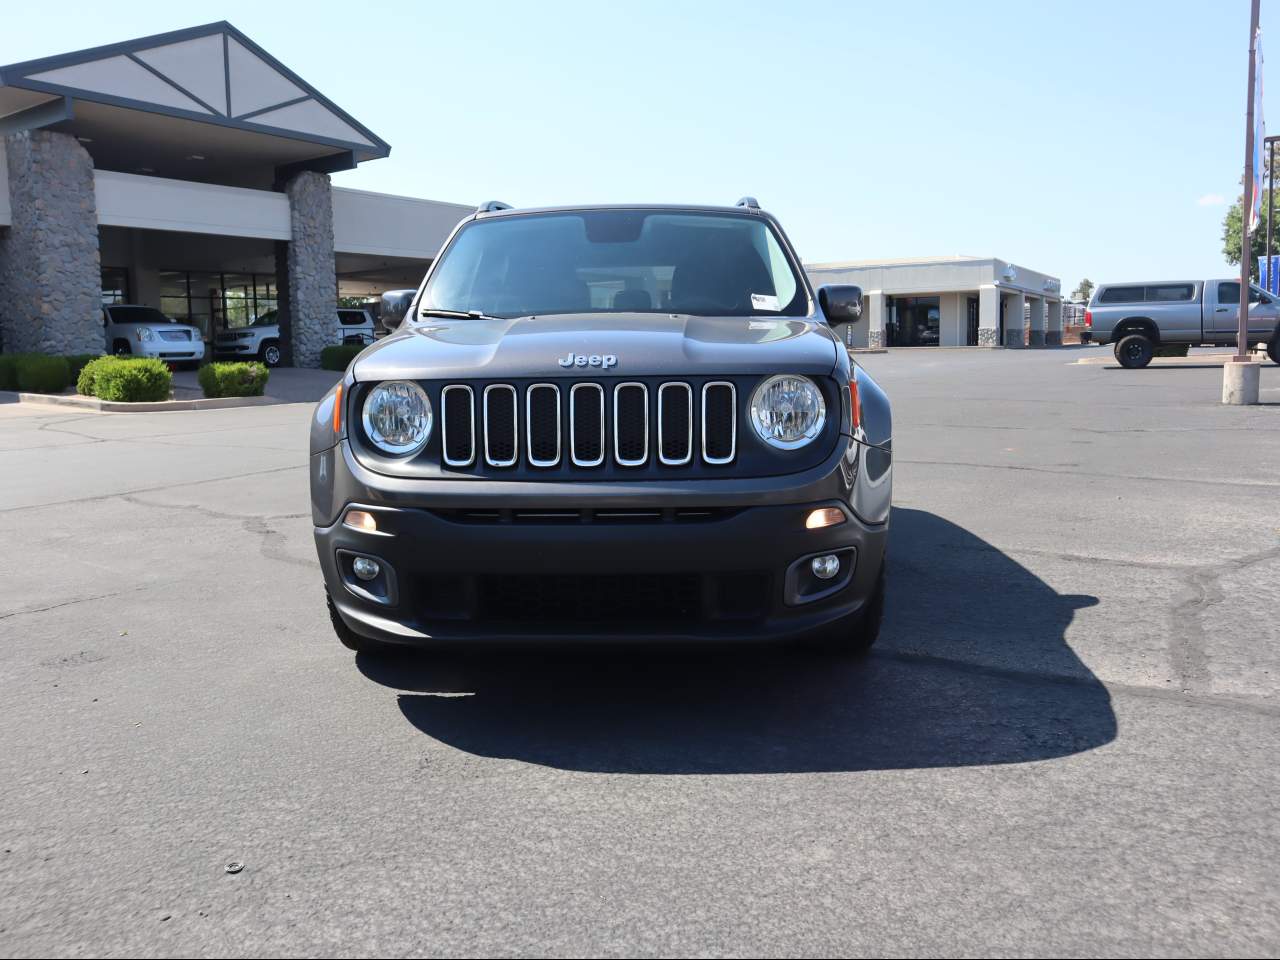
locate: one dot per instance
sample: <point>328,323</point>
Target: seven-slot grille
<point>601,420</point>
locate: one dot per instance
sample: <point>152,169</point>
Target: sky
<point>1098,139</point>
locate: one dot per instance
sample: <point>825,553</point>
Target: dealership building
<point>949,301</point>
<point>190,171</point>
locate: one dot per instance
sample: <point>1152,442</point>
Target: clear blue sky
<point>1085,138</point>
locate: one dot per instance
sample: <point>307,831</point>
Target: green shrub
<point>39,373</point>
<point>85,378</point>
<point>339,356</point>
<point>126,380</point>
<point>233,379</point>
<point>9,370</point>
<point>77,362</point>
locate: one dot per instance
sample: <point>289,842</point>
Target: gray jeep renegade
<point>606,422</point>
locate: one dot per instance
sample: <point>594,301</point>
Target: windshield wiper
<point>456,314</point>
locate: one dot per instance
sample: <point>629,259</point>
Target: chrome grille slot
<point>586,424</point>
<point>719,422</point>
<point>458,425</point>
<point>563,425</point>
<point>542,423</point>
<point>631,424</point>
<point>501,432</point>
<point>675,424</point>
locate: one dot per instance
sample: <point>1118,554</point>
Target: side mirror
<point>840,303</point>
<point>395,306</point>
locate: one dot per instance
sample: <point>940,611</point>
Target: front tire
<point>270,353</point>
<point>855,635</point>
<point>348,637</point>
<point>1134,351</point>
<point>1273,349</point>
<point>121,348</point>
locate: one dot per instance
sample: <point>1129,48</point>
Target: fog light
<point>825,567</point>
<point>824,517</point>
<point>361,520</point>
<point>367,569</point>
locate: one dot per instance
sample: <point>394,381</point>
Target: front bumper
<point>235,348</point>
<point>700,561</point>
<point>176,351</point>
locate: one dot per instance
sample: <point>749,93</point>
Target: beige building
<point>949,301</point>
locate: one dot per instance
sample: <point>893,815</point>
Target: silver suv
<point>608,422</point>
<point>260,340</point>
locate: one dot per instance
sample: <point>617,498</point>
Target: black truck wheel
<point>1134,351</point>
<point>1273,349</point>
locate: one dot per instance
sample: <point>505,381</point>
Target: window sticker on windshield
<point>764,301</point>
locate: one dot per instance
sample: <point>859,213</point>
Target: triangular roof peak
<point>211,73</point>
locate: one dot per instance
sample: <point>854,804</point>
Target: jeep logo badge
<point>606,360</point>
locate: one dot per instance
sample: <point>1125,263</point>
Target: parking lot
<point>1065,743</point>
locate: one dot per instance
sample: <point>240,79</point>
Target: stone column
<point>1053,336</point>
<point>312,288</point>
<point>1015,330</point>
<point>50,272</point>
<point>988,316</point>
<point>871,327</point>
<point>1037,322</point>
<point>875,317</point>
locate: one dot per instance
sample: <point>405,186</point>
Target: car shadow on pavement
<point>972,668</point>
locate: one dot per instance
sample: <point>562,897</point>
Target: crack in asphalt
<point>272,540</point>
<point>1260,705</point>
<point>1249,484</point>
<point>170,486</point>
<point>1118,433</point>
<point>1068,557</point>
<point>73,602</point>
<point>1187,640</point>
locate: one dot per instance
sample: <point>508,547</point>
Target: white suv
<point>261,339</point>
<point>132,330</point>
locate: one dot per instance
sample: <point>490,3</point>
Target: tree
<point>1084,290</point>
<point>1257,240</point>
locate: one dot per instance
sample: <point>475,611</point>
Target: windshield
<point>138,315</point>
<point>611,261</point>
<point>268,319</point>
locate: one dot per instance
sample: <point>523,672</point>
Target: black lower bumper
<point>724,573</point>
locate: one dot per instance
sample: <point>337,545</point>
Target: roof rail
<point>491,206</point>
<point>749,202</point>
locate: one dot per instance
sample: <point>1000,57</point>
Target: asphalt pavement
<point>1065,744</point>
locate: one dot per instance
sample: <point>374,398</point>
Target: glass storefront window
<point>115,285</point>
<point>914,322</point>
<point>216,301</point>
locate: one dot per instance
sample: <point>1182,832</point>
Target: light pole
<point>1239,375</point>
<point>1246,208</point>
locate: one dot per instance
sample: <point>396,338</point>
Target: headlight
<point>788,411</point>
<point>144,333</point>
<point>398,417</point>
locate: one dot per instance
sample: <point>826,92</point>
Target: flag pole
<point>1246,207</point>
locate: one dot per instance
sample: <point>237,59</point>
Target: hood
<point>644,344</point>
